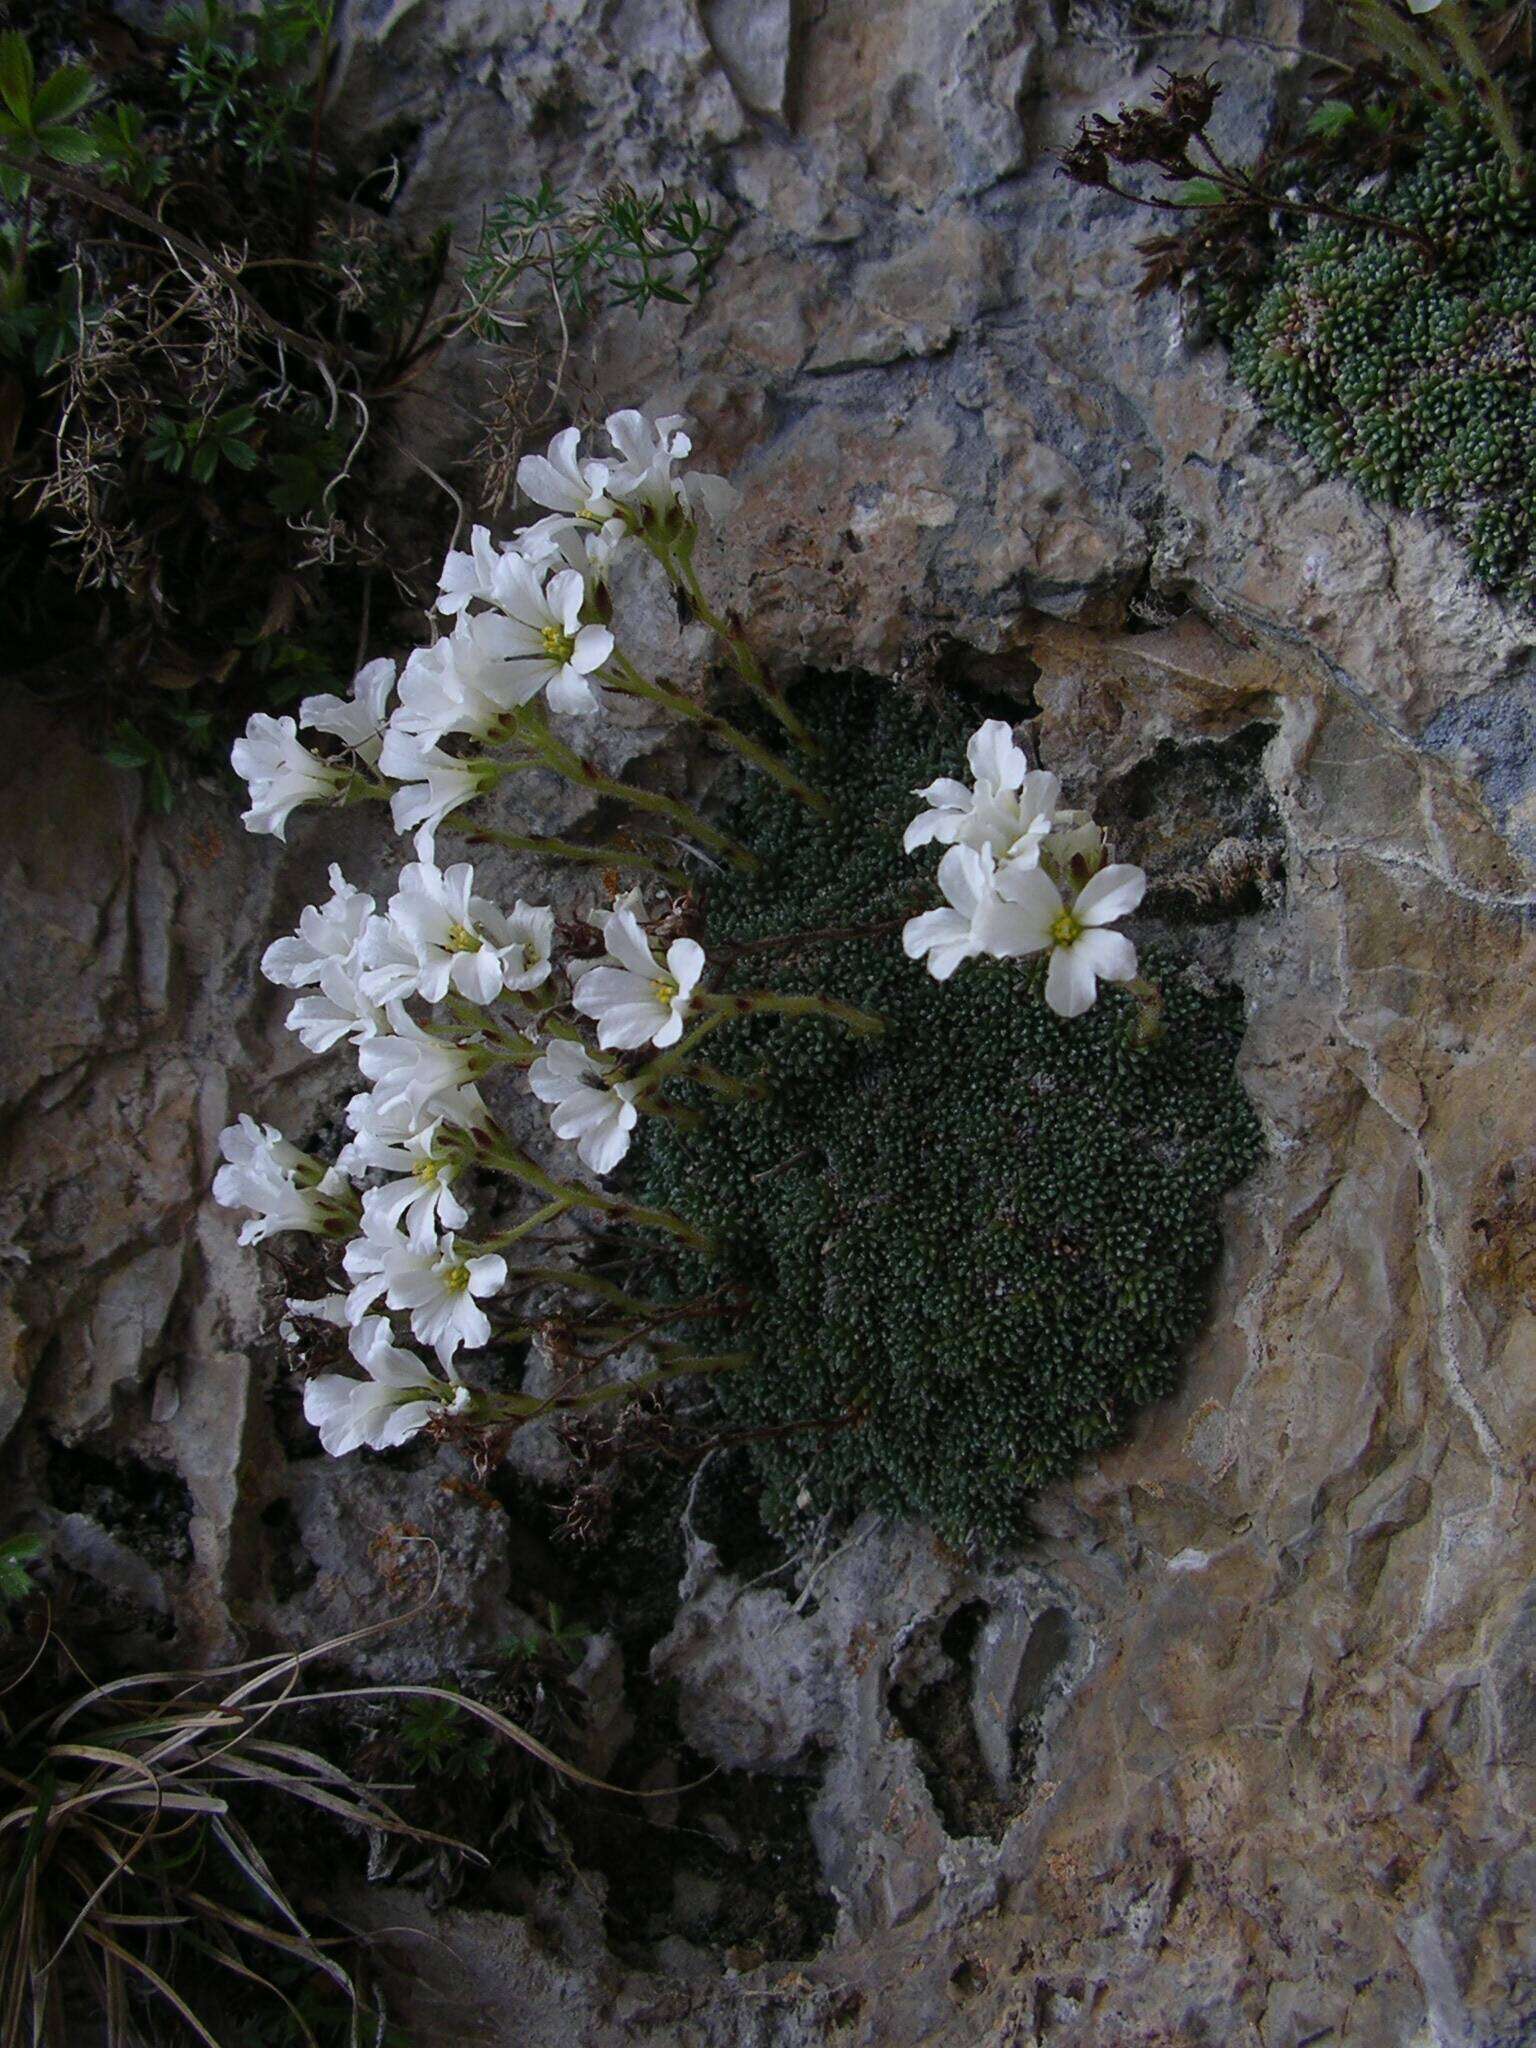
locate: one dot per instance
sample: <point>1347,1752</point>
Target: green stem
<point>565,761</point>
<point>678,564</point>
<point>524,1407</point>
<point>550,1211</point>
<point>569,849</point>
<point>669,1062</point>
<point>634,684</point>
<point>601,1290</point>
<point>729,1085</point>
<point>757,1001</point>
<point>502,1157</point>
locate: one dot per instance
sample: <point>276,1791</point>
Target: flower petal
<point>1070,986</point>
<point>1112,893</point>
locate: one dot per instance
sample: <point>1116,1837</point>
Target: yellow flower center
<point>1066,929</point>
<point>462,940</point>
<point>664,988</point>
<point>559,646</point>
<point>427,1171</point>
<point>456,1279</point>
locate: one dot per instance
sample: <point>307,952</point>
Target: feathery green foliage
<point>976,1244</point>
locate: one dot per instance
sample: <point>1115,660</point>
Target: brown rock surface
<point>1263,1693</point>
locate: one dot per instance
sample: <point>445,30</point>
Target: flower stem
<point>756,1001</point>
<point>502,1157</point>
<point>634,684</point>
<point>678,563</point>
<point>567,762</point>
<point>525,1407</point>
<point>569,849</point>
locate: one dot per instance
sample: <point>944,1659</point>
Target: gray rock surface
<point>1248,1735</point>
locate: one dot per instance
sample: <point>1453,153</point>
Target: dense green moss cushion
<point>977,1244</point>
<point>1416,378</point>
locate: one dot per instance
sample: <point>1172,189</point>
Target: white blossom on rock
<point>282,1187</point>
<point>1031,915</point>
<point>328,933</point>
<point>432,783</point>
<point>439,1287</point>
<point>421,1200</point>
<point>959,932</point>
<point>281,773</point>
<point>337,1009</point>
<point>358,720</point>
<point>424,1076</point>
<point>466,577</point>
<point>396,1400</point>
<point>586,1110</point>
<point>570,487</point>
<point>442,936</point>
<point>643,482</point>
<point>1010,809</point>
<point>548,646</point>
<point>635,998</point>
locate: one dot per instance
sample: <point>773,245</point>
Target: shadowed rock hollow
<point>1242,1749</point>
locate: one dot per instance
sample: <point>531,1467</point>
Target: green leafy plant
<point>1372,273</point>
<point>200,445</point>
<point>41,119</point>
<point>623,247</point>
<point>1418,384</point>
<point>203,327</point>
<point>18,1554</point>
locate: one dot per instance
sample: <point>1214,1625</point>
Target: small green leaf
<point>68,145</point>
<point>1200,192</point>
<point>1330,119</point>
<point>240,453</point>
<point>17,76</point>
<point>62,95</point>
<point>204,460</point>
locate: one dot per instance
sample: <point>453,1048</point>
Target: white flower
<point>1010,810</point>
<point>637,1000</point>
<point>363,1261</point>
<point>1030,915</point>
<point>564,483</point>
<point>283,1187</point>
<point>439,1288</point>
<point>398,1398</point>
<point>594,1115</point>
<point>466,682</point>
<point>548,646</point>
<point>1422,6</point>
<point>426,1076</point>
<point>328,933</point>
<point>338,1009</point>
<point>323,1308</point>
<point>455,939</point>
<point>432,783</point>
<point>968,880</point>
<point>471,576</point>
<point>359,720</point>
<point>280,772</point>
<point>643,480</point>
<point>422,1202</point>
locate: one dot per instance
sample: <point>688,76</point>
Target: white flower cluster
<point>423,1124</point>
<point>526,624</point>
<point>1021,876</point>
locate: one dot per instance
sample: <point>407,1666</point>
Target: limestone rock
<point>1240,1749</point>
